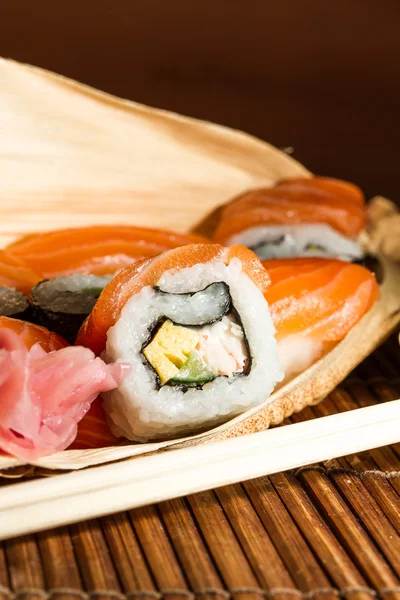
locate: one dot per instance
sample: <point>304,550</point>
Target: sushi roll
<point>194,325</point>
<point>63,303</point>
<point>314,217</point>
<point>14,304</point>
<point>97,250</point>
<point>16,280</point>
<point>314,303</point>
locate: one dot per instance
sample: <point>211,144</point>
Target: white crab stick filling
<point>222,346</point>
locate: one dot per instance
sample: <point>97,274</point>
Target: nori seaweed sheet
<point>229,308</point>
<point>65,324</point>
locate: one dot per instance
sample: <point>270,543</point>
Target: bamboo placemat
<point>326,531</point>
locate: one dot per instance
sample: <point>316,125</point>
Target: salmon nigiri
<point>97,250</point>
<point>314,216</point>
<point>314,303</point>
<point>46,388</point>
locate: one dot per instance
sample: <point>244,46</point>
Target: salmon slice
<point>131,280</point>
<point>315,200</point>
<point>93,430</point>
<point>318,298</point>
<point>98,250</point>
<point>33,334</point>
<point>326,186</point>
<point>15,273</point>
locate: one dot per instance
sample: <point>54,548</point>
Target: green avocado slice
<point>193,372</point>
<point>94,291</point>
<point>314,248</point>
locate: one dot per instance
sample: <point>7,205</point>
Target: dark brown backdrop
<point>320,75</point>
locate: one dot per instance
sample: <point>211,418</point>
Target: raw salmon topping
<point>98,250</point>
<point>304,200</point>
<point>318,297</point>
<point>16,274</point>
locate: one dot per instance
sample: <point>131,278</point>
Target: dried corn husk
<point>70,155</point>
<point>383,228</point>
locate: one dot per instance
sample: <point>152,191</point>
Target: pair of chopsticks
<point>63,499</point>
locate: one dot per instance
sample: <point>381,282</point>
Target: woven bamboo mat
<point>326,531</point>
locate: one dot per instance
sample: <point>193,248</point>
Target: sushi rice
<point>307,239</point>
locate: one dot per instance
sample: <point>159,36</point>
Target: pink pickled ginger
<point>43,395</point>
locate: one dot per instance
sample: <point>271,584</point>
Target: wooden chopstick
<point>41,504</point>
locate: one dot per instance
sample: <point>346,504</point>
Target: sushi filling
<point>197,339</point>
<point>308,240</point>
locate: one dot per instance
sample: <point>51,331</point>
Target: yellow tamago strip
<point>169,349</point>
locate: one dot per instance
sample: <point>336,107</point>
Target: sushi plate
<point>71,155</point>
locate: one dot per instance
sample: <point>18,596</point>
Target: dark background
<point>322,76</point>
